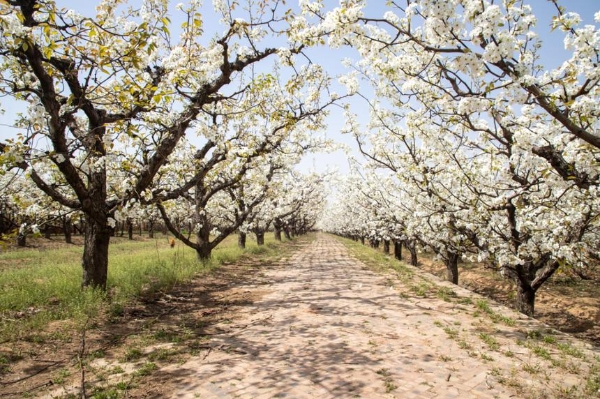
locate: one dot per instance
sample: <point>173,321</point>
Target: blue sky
<point>553,54</point>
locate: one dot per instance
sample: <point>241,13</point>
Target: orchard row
<point>474,147</point>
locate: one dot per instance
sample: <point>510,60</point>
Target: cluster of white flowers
<point>461,136</point>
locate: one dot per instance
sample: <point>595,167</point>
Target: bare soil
<point>566,303</point>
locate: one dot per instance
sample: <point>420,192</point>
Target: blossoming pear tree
<point>95,85</point>
<point>502,151</point>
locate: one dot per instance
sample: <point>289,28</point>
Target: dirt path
<point>331,328</point>
<point>321,324</point>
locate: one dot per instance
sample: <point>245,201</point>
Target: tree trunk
<point>203,252</point>
<point>241,240</point>
<point>412,248</point>
<point>525,298</point>
<point>277,225</point>
<point>203,245</point>
<point>260,238</point>
<point>48,232</point>
<point>150,228</point>
<point>129,229</point>
<point>413,257</point>
<point>452,267</point>
<point>398,249</point>
<point>286,232</point>
<point>68,230</point>
<point>362,240</point>
<point>21,239</point>
<point>95,254</point>
<point>386,247</point>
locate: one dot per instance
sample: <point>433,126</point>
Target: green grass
<point>376,259</point>
<point>452,333</point>
<point>490,341</point>
<point>570,350</point>
<point>484,306</point>
<point>541,352</point>
<point>446,293</point>
<point>146,369</point>
<point>44,284</point>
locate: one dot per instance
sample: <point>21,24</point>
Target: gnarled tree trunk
<point>412,248</point>
<point>203,244</point>
<point>95,254</point>
<point>525,300</point>
<point>452,267</point>
<point>203,252</point>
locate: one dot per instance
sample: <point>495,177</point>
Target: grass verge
<point>41,285</point>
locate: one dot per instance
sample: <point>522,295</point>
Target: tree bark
<point>362,240</point>
<point>129,229</point>
<point>22,239</point>
<point>386,247</point>
<point>241,240</point>
<point>398,250</point>
<point>68,230</point>
<point>95,254</point>
<point>525,298</point>
<point>260,238</point>
<point>452,267</point>
<point>413,257</point>
<point>150,228</point>
<point>286,232</point>
<point>277,225</point>
<point>204,252</point>
<point>412,248</point>
<point>203,244</point>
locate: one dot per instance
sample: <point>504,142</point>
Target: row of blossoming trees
<point>474,147</point>
<point>125,118</point>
